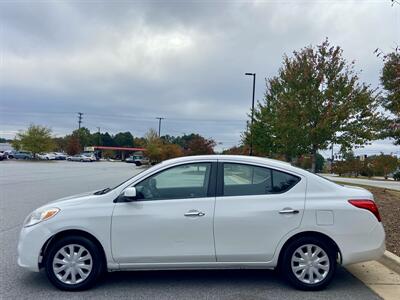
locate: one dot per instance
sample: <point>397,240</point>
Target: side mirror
<point>129,193</point>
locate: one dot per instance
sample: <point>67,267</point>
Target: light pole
<point>252,111</point>
<point>159,125</point>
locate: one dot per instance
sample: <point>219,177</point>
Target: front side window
<point>240,179</point>
<point>184,181</point>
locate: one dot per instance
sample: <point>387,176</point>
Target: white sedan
<point>200,212</point>
<point>46,156</point>
<point>82,157</point>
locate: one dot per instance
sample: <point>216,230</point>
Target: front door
<point>171,221</point>
<point>255,208</point>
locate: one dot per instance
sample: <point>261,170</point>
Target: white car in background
<point>81,158</point>
<point>46,156</point>
<point>204,212</point>
<point>60,156</point>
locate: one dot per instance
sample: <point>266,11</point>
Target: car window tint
<point>240,180</point>
<point>283,181</point>
<point>246,180</point>
<point>184,181</point>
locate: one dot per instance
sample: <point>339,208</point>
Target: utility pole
<point>159,125</point>
<point>79,119</point>
<point>80,114</point>
<point>98,132</point>
<point>332,158</point>
<point>252,111</point>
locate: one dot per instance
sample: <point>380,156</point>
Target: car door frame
<point>219,193</point>
<point>211,192</point>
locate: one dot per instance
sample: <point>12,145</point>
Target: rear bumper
<point>359,248</point>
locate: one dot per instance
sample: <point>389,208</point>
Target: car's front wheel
<point>74,263</point>
<point>309,263</point>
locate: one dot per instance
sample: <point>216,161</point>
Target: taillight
<point>368,205</point>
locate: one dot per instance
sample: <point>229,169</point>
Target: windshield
<point>106,190</point>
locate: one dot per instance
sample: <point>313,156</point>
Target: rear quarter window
<point>282,182</point>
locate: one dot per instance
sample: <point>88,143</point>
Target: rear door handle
<point>194,213</point>
<point>288,211</point>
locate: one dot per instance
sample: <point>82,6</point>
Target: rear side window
<point>240,180</point>
<point>283,182</point>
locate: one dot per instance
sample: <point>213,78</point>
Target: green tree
<point>171,151</point>
<point>3,140</point>
<point>60,143</point>
<point>16,144</point>
<point>199,145</point>
<point>153,146</point>
<point>73,147</point>
<point>390,79</point>
<point>237,150</point>
<point>36,139</point>
<point>123,139</point>
<point>305,162</point>
<point>84,136</point>
<point>315,100</point>
<point>385,164</point>
<point>107,140</point>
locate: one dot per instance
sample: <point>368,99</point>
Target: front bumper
<point>31,241</point>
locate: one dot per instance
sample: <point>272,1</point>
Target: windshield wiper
<point>103,191</point>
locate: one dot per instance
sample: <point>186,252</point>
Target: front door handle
<point>288,211</point>
<point>194,213</point>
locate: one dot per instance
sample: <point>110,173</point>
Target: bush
<point>396,176</point>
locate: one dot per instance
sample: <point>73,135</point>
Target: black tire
<point>286,263</point>
<point>138,163</point>
<point>98,263</point>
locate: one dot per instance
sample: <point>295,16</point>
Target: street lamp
<point>252,111</point>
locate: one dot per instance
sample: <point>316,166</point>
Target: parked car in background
<point>21,155</point>
<point>46,156</point>
<point>3,155</point>
<point>212,211</point>
<point>138,160</point>
<point>60,156</point>
<point>90,155</point>
<point>9,153</point>
<point>81,158</point>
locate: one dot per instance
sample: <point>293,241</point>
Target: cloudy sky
<point>124,63</point>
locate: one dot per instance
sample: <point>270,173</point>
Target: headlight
<point>40,215</point>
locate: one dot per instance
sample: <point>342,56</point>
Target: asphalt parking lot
<point>26,185</point>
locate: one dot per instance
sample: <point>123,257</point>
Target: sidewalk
<point>382,280</point>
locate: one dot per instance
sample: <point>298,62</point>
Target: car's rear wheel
<point>309,263</point>
<point>74,263</point>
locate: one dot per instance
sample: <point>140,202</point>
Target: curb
<point>391,261</point>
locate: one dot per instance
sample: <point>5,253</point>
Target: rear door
<point>255,207</point>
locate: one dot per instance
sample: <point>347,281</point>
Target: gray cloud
<point>124,63</point>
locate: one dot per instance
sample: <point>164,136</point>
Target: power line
<point>126,116</point>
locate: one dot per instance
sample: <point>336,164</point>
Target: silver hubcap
<point>72,264</point>
<point>310,264</point>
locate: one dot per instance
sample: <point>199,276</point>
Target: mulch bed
<point>388,202</point>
